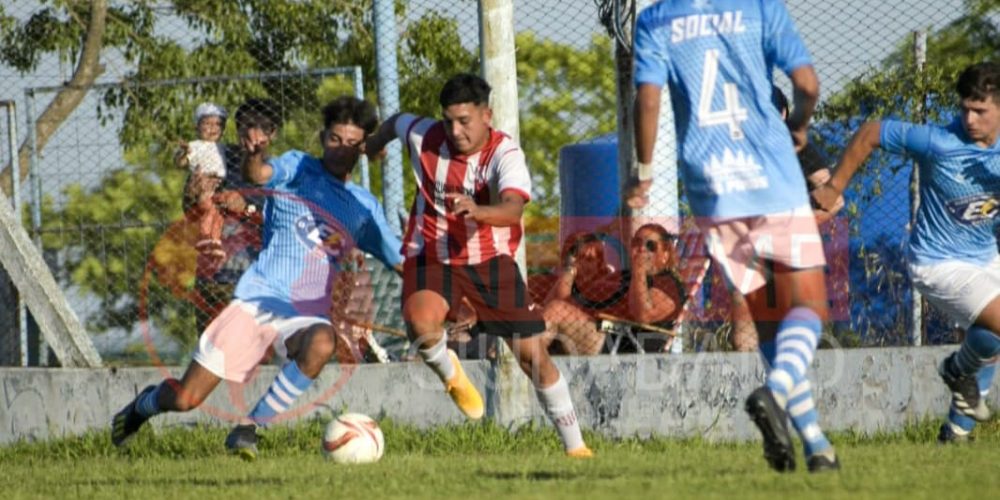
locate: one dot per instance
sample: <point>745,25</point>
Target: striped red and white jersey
<point>433,231</point>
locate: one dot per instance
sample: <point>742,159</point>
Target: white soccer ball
<point>353,438</point>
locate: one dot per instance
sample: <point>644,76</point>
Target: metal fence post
<point>386,41</point>
<point>917,315</point>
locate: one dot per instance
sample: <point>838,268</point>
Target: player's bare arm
<point>255,143</point>
<point>647,115</point>
<point>506,213</point>
<point>861,146</point>
<point>805,95</point>
<point>375,143</point>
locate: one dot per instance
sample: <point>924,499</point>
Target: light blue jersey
<point>392,246</point>
<point>717,57</point>
<point>959,192</point>
<point>310,220</point>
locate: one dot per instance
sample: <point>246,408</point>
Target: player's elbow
<point>806,84</point>
<point>647,100</point>
<point>870,134</point>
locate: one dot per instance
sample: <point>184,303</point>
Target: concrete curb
<point>867,390</point>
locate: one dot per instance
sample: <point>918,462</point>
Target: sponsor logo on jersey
<point>975,209</point>
<point>323,237</point>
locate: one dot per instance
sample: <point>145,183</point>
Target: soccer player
<point>953,256</point>
<point>816,170</point>
<point>743,182</point>
<point>283,299</point>
<point>463,230</point>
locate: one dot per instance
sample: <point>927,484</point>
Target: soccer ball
<point>353,438</point>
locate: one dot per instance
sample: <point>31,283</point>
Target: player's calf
<point>553,392</point>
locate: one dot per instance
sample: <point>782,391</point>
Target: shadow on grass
<point>183,481</point>
<point>542,475</point>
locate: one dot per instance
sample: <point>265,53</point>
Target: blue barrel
<point>590,189</point>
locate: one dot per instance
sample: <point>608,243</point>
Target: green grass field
<point>483,461</point>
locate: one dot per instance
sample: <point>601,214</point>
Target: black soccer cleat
<point>242,441</point>
<point>773,424</point>
<point>822,462</point>
<point>965,395</point>
<point>128,421</point>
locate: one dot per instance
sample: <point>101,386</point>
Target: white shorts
<point>238,339</point>
<point>741,246</point>
<point>959,289</point>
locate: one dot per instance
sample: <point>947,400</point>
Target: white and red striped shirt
<point>433,230</point>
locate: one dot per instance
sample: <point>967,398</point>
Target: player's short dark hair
<point>259,113</point>
<point>350,109</point>
<point>465,88</point>
<point>980,81</point>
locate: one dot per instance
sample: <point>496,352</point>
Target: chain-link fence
<point>100,134</point>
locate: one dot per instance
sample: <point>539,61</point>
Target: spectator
<point>229,239</point>
<point>652,292</point>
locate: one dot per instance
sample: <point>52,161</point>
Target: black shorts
<point>494,288</point>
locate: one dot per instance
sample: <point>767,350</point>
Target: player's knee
<point>322,344</point>
<point>425,313</point>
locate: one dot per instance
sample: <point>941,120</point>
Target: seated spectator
<point>651,293</point>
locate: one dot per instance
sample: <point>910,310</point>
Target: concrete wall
<point>686,395</point>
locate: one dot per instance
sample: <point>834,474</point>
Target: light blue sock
<point>963,424</point>
<point>287,386</point>
<point>805,419</point>
<point>796,342</point>
<point>980,345</point>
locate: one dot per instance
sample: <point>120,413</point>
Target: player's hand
<point>827,198</point>
<point>462,205</point>
<point>800,138</point>
<point>374,149</point>
<point>637,193</point>
<point>254,140</point>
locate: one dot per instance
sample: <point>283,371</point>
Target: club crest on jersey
<point>975,209</point>
<point>323,237</point>
<point>735,172</point>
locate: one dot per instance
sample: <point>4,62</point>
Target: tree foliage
<point>105,234</point>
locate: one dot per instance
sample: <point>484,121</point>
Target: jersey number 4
<point>731,114</point>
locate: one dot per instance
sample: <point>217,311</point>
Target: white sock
<point>559,407</point>
<point>436,357</point>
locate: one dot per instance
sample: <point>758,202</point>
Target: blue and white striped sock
<point>148,404</point>
<point>797,339</point>
<point>963,424</point>
<point>979,346</point>
<point>287,386</point>
<point>805,419</point>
